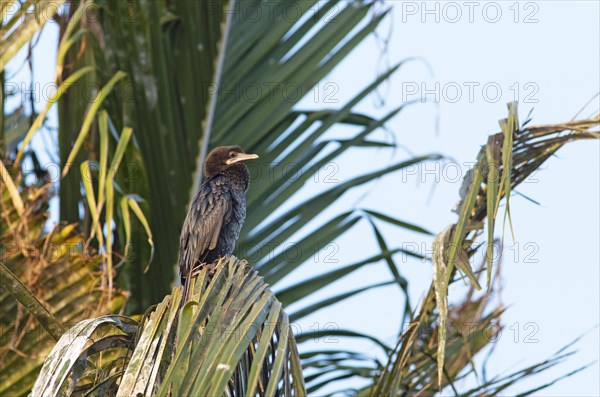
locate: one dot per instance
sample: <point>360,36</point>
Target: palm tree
<point>172,79</point>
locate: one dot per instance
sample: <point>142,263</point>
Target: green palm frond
<point>169,51</point>
<point>228,337</point>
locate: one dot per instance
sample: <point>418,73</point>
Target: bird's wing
<point>208,212</point>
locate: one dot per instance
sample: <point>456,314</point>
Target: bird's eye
<point>231,154</point>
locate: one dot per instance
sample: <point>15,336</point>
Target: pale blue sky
<point>553,65</point>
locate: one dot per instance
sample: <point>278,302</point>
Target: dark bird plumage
<point>218,211</point>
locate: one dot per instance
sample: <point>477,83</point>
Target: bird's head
<point>223,157</point>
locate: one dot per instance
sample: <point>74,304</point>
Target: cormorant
<point>218,211</point>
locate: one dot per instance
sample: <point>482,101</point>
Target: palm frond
<point>53,266</point>
<point>441,352</point>
<point>224,335</point>
<point>169,51</point>
<point>22,24</point>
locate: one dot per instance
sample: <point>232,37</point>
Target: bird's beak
<point>241,157</point>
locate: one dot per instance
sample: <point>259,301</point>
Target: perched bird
<point>218,211</point>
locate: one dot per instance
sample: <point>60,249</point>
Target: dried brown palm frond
<point>507,159</point>
<point>50,264</point>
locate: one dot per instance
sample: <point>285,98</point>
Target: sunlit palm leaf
<point>26,20</point>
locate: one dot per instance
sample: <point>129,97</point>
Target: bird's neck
<point>238,175</point>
